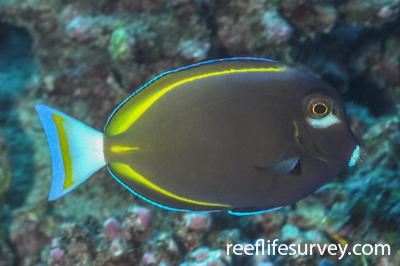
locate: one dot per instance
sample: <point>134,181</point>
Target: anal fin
<point>250,211</point>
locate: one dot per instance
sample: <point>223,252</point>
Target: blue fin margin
<point>164,207</point>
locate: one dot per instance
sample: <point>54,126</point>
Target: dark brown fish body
<point>243,135</point>
<point>205,139</point>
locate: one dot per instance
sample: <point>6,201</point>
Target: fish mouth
<point>355,156</point>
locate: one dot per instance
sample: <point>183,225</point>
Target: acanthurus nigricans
<point>244,135</point>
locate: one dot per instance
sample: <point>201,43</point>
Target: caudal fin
<point>76,150</point>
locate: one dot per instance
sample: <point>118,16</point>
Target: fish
<point>241,135</point>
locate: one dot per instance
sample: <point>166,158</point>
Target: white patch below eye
<point>325,122</point>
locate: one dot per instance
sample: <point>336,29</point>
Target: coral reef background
<point>84,57</point>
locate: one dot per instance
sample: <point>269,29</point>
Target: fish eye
<point>319,108</point>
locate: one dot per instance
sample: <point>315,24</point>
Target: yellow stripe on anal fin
<point>118,149</point>
<point>58,120</point>
<point>127,118</point>
<point>127,171</point>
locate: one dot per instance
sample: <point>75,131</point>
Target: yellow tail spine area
<point>120,149</point>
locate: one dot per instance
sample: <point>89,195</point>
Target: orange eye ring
<point>319,108</point>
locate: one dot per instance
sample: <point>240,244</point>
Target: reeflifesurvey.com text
<point>262,247</point>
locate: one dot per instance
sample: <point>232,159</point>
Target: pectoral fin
<point>288,166</point>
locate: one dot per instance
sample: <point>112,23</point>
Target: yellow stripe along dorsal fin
<point>132,109</point>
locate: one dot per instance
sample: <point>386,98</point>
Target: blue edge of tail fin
<point>53,141</point>
<point>84,161</point>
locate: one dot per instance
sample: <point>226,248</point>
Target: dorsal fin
<point>149,93</point>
